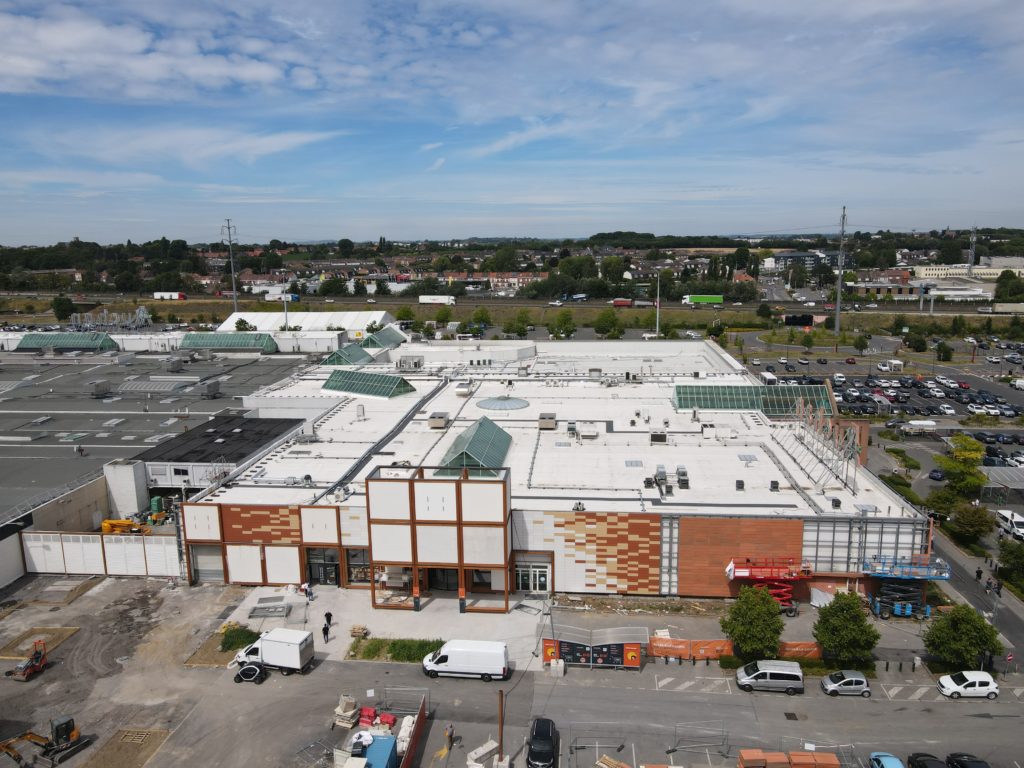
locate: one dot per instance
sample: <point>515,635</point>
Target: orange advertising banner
<point>658,647</point>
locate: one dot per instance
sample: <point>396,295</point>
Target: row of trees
<point>960,637</point>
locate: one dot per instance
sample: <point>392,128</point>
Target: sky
<point>447,119</point>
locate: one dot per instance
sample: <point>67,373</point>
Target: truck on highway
<point>289,650</point>
<point>1001,308</point>
<point>170,296</point>
<point>622,302</point>
<point>693,299</point>
<point>289,297</point>
<point>446,300</point>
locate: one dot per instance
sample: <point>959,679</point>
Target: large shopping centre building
<point>487,469</point>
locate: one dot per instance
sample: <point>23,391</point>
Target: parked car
<point>970,683</point>
<point>851,361</point>
<point>542,745</point>
<point>251,673</point>
<point>822,361</point>
<point>770,368</point>
<point>937,474</point>
<point>976,409</point>
<point>755,361</point>
<point>771,676</point>
<point>947,410</point>
<point>804,361</point>
<point>884,760</point>
<point>790,367</point>
<point>964,760</point>
<point>924,760</point>
<point>846,682</point>
<point>783,360</point>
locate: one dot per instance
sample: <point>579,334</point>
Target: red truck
<point>622,302</point>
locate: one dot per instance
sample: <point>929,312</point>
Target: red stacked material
<point>367,715</point>
<point>386,718</point>
<point>750,758</point>
<point>776,760</point>
<point>801,759</point>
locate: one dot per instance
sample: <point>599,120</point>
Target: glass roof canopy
<point>773,401</point>
<point>482,446</point>
<point>263,342</point>
<point>375,384</point>
<point>83,340</point>
<point>387,337</point>
<point>350,354</point>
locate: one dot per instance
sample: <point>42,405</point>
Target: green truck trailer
<point>703,299</point>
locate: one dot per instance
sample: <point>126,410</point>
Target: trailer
<point>170,296</point>
<point>578,297</point>
<point>289,297</point>
<point>446,300</point>
<point>1006,309</point>
<point>692,299</point>
<point>622,302</point>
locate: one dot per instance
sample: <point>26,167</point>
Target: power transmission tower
<point>839,276</point>
<point>970,261</point>
<point>229,231</point>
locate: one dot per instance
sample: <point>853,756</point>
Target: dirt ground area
<point>128,749</point>
<point>655,606</point>
<point>123,669</point>
<point>21,646</point>
<point>209,654</point>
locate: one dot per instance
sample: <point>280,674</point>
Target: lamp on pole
<point>657,309</point>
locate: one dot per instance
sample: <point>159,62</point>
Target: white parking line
<point>919,693</point>
<point>1017,692</point>
<point>890,692</point>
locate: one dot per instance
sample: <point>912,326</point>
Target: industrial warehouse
<point>488,470</point>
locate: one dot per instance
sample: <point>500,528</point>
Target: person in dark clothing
<point>327,632</point>
<point>328,616</point>
<point>988,585</point>
<point>999,588</point>
<point>977,574</point>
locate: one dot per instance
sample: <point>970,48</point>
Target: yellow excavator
<point>65,741</point>
<point>124,526</point>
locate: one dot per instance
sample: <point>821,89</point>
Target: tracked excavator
<point>65,740</point>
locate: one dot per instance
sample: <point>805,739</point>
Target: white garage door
<point>162,556</point>
<point>43,552</point>
<point>282,565</point>
<point>83,553</point>
<point>126,555</point>
<point>207,563</point>
<point>244,564</point>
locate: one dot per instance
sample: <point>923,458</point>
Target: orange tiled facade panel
<point>622,552</point>
<point>262,525</point>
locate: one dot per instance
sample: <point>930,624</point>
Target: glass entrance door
<point>322,565</point>
<point>533,577</point>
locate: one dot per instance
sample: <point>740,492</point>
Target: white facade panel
<point>482,502</point>
<point>245,565</point>
<point>483,546</point>
<point>43,552</point>
<point>126,555</point>
<point>11,567</point>
<point>319,526</point>
<point>353,527</point>
<point>201,522</point>
<point>388,500</point>
<point>436,544</point>
<point>83,553</point>
<point>162,556</point>
<point>391,543</point>
<point>282,565</point>
<point>498,578</point>
<point>435,501</point>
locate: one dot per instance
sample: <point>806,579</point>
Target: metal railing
<point>12,513</point>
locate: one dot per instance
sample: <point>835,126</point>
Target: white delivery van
<point>1017,383</point>
<point>1011,523</point>
<point>290,650</point>
<point>485,659</point>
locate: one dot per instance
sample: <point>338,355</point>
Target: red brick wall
<point>261,525</point>
<point>707,544</point>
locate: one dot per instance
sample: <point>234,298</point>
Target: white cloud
<point>436,165</point>
<point>431,147</point>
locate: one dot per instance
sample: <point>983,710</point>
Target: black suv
<point>964,760</point>
<point>924,760</point>
<point>542,747</point>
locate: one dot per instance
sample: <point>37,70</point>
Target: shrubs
<point>901,485</point>
<point>386,649</point>
<point>908,462</point>
<point>237,636</point>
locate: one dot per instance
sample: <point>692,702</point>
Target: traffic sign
<point>1009,657</point>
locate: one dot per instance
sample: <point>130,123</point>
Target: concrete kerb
<point>439,619</point>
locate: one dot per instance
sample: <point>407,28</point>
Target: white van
<point>651,336</point>
<point>838,378</point>
<point>485,659</point>
<point>771,676</point>
<point>1010,523</point>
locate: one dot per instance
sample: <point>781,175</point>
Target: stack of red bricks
<point>758,758</point>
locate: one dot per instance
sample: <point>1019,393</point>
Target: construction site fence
<point>664,647</point>
<point>409,760</point>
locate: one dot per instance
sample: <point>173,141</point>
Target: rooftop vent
<point>547,421</point>
<point>739,485</point>
<point>438,420</point>
<point>836,503</point>
<point>774,485</point>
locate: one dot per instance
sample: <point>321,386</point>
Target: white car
<point>783,360</point>
<point>554,303</point>
<point>737,303</point>
<point>890,392</point>
<point>938,394</point>
<point>994,359</point>
<point>992,410</point>
<point>970,340</point>
<point>947,410</point>
<point>371,301</point>
<point>978,410</point>
<point>871,306</point>
<point>884,367</point>
<point>755,361</point>
<point>969,683</point>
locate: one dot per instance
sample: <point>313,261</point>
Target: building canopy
<point>375,384</point>
<point>262,342</point>
<point>774,401</point>
<point>484,445</point>
<point>350,354</point>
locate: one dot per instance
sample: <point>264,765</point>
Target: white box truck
<point>486,659</point>
<point>1017,383</point>
<point>289,650</point>
<point>447,300</point>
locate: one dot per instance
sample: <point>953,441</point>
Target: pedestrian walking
<point>988,585</point>
<point>999,588</point>
<point>449,736</point>
<point>328,617</point>
<point>327,632</point>
<point>977,574</point>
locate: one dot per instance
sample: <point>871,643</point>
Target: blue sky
<point>307,120</point>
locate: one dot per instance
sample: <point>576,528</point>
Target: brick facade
<point>620,553</point>
<point>707,544</point>
<point>261,525</point>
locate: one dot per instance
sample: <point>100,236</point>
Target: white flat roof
<point>308,321</point>
<point>603,465</point>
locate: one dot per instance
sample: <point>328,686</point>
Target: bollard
<point>707,662</point>
<point>901,666</point>
<point>694,660</point>
<point>887,666</point>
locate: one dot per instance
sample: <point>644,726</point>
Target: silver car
<point>846,682</point>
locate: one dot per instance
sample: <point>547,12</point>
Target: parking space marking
<point>715,685</point>
<point>1017,692</point>
<point>919,693</point>
<point>891,692</point>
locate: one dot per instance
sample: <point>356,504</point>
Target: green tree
<point>798,276</point>
<point>606,322</point>
<point>562,326</point>
<point>244,325</point>
<point>763,310</point>
<point>519,325</point>
<point>843,630</point>
<point>860,343</point>
<point>405,313</point>
<point>382,288</point>
<point>505,259</point>
<point>336,286</point>
<point>807,341</point>
<point>899,322</point>
<point>958,325</point>
<point>63,307</point>
<point>754,624</point>
<point>1011,559</point>
<point>943,352</point>
<point>481,316</point>
<point>961,466</point>
<point>613,268</point>
<point>917,342</point>
<point>358,288</point>
<point>970,523</point>
<point>961,637</point>
<point>345,247</point>
<point>443,315</point>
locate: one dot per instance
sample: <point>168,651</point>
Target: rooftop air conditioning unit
<point>774,485</point>
<point>739,485</point>
<point>547,421</point>
<point>836,503</point>
<point>658,436</point>
<point>438,420</point>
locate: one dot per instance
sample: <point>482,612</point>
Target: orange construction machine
<point>32,665</point>
<point>65,741</point>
